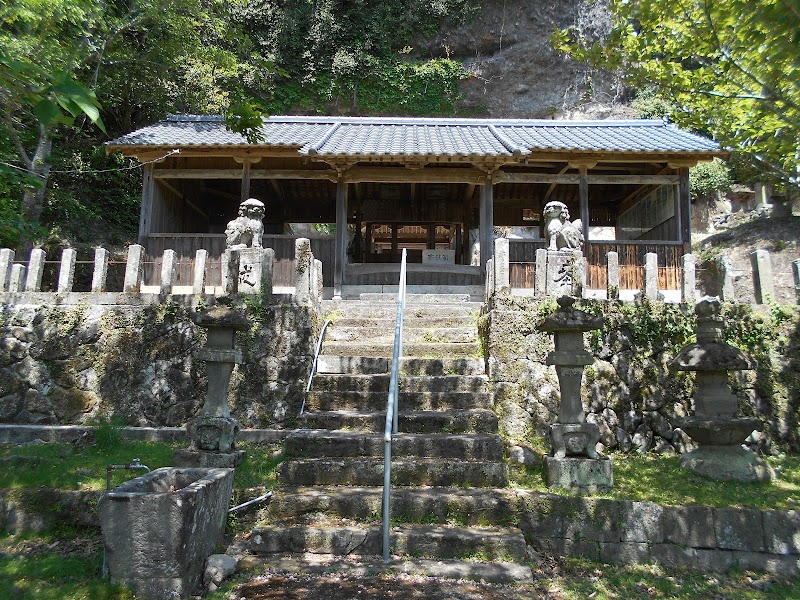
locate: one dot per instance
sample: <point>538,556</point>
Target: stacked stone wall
<point>82,363</point>
<point>629,391</point>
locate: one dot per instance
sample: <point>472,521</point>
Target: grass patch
<point>67,466</point>
<point>661,479</point>
<point>588,579</point>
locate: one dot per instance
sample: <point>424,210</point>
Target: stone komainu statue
<point>560,233</point>
<point>246,229</point>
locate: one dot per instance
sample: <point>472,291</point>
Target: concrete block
<point>100,274</point>
<point>159,529</point>
<point>642,522</point>
<point>739,529</point>
<point>690,526</point>
<point>782,531</point>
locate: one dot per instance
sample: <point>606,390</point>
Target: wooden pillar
<point>245,180</point>
<point>341,237</point>
<point>684,204</point>
<point>146,212</point>
<point>431,236</point>
<point>486,213</point>
<point>394,254</point>
<point>583,195</point>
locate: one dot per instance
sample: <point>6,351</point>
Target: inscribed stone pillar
<point>304,262</point>
<point>502,280</point>
<point>168,269</point>
<point>317,282</point>
<point>6,260</point>
<point>100,274</point>
<point>563,272</point>
<point>133,269</point>
<point>489,287</point>
<point>230,272</point>
<point>199,273</point>
<point>689,279</point>
<point>253,267</point>
<point>33,282</point>
<point>66,273</point>
<point>612,280</point>
<point>762,276</point>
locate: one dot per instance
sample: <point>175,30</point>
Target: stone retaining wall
<point>697,537</point>
<point>137,362</point>
<point>629,391</point>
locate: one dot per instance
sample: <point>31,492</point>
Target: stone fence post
<point>16,282</point>
<point>689,279</point>
<point>796,272</point>
<point>502,278</point>
<point>134,269</point>
<point>168,269</point>
<point>100,274</point>
<point>6,260</point>
<point>728,289</point>
<point>33,282</point>
<point>651,276</point>
<point>66,273</point>
<point>230,272</point>
<point>489,279</point>
<point>763,285</point>
<point>612,279</point>
<point>540,283</point>
<point>199,273</point>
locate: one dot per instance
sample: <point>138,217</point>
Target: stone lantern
<point>716,426</point>
<point>213,432</point>
<point>574,463</point>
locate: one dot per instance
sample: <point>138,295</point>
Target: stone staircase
<point>450,513</point>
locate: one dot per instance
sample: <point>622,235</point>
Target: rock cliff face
<point>514,70</point>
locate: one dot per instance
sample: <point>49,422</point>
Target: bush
<point>709,177</point>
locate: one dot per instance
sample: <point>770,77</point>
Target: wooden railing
<point>187,244</point>
<point>631,255</point>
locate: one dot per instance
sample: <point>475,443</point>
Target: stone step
<point>350,400</point>
<point>365,365</point>
<point>410,383</point>
<point>416,349</point>
<point>405,472</point>
<point>421,421</point>
<point>417,298</point>
<point>323,443</point>
<point>481,543</point>
<point>385,310</point>
<point>429,505</point>
<point>410,334</point>
<point>504,573</point>
<point>409,320</point>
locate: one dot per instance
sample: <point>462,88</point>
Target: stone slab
<point>211,460</point>
<point>642,522</point>
<point>690,526</point>
<point>782,531</point>
<point>739,529</point>
<point>579,474</point>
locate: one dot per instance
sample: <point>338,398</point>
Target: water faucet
<point>135,464</point>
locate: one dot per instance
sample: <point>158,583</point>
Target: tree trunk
<point>33,198</point>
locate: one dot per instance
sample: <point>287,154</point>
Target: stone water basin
<point>159,529</point>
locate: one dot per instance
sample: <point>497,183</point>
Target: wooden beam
<point>634,196</point>
<point>554,184</point>
<point>328,174</point>
<point>574,179</point>
<point>403,175</point>
<point>180,195</point>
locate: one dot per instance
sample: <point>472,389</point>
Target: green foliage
<point>649,105</point>
<point>729,67</point>
<point>708,177</point>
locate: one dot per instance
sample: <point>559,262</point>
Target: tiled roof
<point>419,137</point>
